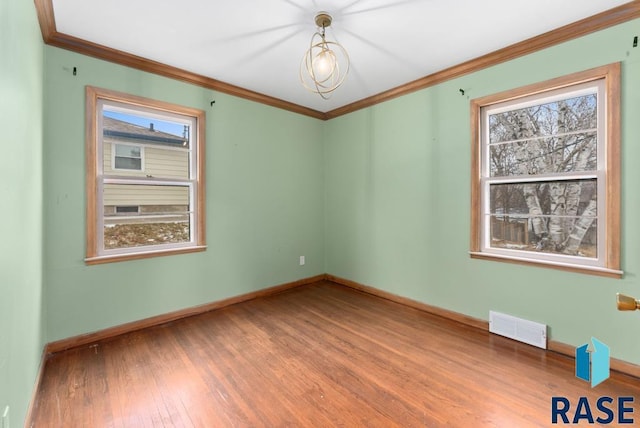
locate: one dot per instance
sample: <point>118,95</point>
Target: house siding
<point>157,161</point>
<point>140,195</point>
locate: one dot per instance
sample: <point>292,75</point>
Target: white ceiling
<point>258,44</point>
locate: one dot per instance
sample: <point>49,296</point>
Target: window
<point>546,174</point>
<point>127,209</point>
<point>145,177</point>
<point>127,157</point>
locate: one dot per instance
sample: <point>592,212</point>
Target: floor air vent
<point>519,329</point>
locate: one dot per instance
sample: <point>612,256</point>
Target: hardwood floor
<point>315,356</point>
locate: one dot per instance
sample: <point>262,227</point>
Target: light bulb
<point>324,65</point>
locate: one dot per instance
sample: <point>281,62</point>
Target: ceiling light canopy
<point>325,65</point>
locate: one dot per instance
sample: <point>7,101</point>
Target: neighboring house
<point>133,151</point>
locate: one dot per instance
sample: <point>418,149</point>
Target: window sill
<point>590,270</point>
<point>142,255</point>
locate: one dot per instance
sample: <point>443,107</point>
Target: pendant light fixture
<point>325,64</point>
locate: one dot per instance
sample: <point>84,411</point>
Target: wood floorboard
<point>315,356</point>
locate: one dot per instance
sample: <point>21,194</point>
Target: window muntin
<point>147,188</point>
<point>546,173</point>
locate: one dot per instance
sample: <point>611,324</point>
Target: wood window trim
<point>611,75</point>
<point>93,94</point>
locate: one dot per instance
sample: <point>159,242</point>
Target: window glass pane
<point>162,217</point>
<point>558,117</point>
<point>163,143</point>
<point>515,234</point>
<point>128,151</point>
<point>128,163</point>
<point>550,216</point>
<point>568,153</point>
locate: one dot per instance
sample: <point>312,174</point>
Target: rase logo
<point>598,359</point>
<point>592,366</point>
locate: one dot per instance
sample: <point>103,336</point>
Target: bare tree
<point>552,138</point>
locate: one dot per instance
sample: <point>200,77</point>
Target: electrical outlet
<point>5,417</point>
<point>302,261</point>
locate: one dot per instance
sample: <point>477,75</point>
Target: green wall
<point>397,202</point>
<point>264,205</point>
<point>21,312</point>
<point>379,196</point>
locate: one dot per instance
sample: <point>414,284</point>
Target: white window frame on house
<point>113,156</point>
<point>603,81</point>
<point>99,100</point>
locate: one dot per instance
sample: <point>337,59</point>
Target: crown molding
<point>52,37</point>
<point>601,21</point>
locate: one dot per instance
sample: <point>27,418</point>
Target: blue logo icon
<point>593,365</point>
